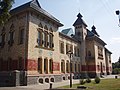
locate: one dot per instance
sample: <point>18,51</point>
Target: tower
<point>80,34</point>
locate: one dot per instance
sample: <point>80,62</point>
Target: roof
<point>108,51</point>
<point>68,37</point>
<point>34,4</point>
<point>68,31</point>
<point>94,31</point>
<point>79,21</point>
<point>92,36</point>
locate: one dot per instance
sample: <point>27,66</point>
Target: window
<point>20,63</point>
<point>75,67</point>
<point>89,53</point>
<point>45,39</point>
<point>51,66</point>
<point>51,45</point>
<point>1,59</point>
<point>45,65</point>
<point>21,36</point>
<point>11,35</point>
<point>9,62</point>
<point>68,48</point>
<point>71,48</point>
<point>2,38</point>
<point>67,66</point>
<point>40,65</point>
<point>78,67</point>
<point>78,52</point>
<point>39,39</point>
<point>75,51</point>
<point>100,52</point>
<point>62,66</point>
<point>61,47</point>
<point>11,40</point>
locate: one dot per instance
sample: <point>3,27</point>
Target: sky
<point>100,13</point>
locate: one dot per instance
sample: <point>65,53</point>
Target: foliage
<point>88,80</point>
<point>82,81</point>
<point>116,71</point>
<point>5,6</point>
<point>97,80</point>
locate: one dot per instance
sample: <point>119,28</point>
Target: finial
<point>79,15</point>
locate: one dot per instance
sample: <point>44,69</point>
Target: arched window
<point>51,45</point>
<point>63,66</point>
<point>45,27</point>
<point>46,65</point>
<point>67,67</point>
<point>40,65</point>
<point>51,66</point>
<point>40,26</point>
<point>51,30</point>
<point>45,38</point>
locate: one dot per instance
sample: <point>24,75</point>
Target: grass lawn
<point>105,84</point>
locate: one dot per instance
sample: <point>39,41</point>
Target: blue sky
<point>101,13</point>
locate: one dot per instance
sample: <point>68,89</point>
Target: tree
<point>119,60</point>
<point>5,6</point>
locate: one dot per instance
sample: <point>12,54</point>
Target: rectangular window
<point>61,47</point>
<point>21,36</point>
<point>68,48</point>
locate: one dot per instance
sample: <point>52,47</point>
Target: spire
<point>79,15</point>
<point>79,20</point>
<point>94,30</point>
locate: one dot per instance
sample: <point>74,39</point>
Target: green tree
<point>5,6</point>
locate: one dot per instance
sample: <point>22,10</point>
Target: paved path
<point>46,85</point>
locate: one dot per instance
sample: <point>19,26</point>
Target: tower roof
<point>94,30</point>
<point>79,20</point>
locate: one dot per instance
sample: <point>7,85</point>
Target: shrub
<point>82,81</point>
<point>88,80</point>
<point>97,80</point>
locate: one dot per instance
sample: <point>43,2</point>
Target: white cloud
<point>115,40</point>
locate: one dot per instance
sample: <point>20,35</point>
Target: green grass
<point>105,84</point>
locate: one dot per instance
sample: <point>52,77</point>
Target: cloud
<point>115,40</point>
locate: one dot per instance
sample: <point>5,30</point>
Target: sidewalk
<point>47,85</point>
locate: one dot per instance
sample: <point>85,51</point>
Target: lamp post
<point>118,13</point>
<point>70,55</point>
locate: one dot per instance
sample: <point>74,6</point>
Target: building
<point>33,51</point>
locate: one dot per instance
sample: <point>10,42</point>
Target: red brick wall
<point>56,66</point>
<point>32,65</point>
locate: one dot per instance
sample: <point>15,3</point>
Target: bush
<point>88,80</point>
<point>82,81</point>
<point>97,80</point>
